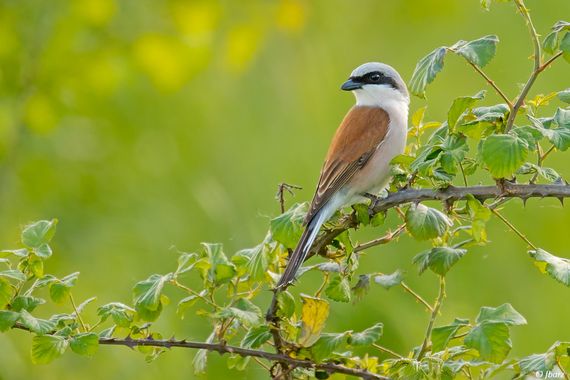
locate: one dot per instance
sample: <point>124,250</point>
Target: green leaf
<point>389,280</point>
<point>366,337</point>
<point>244,311</point>
<point>559,137</point>
<point>36,234</point>
<point>85,344</point>
<point>460,105</point>
<point>425,222</point>
<point>503,154</point>
<point>426,71</point>
<point>121,314</point>
<point>440,336</point>
<point>256,261</point>
<point>439,259</point>
<point>7,319</point>
<point>314,315</point>
<point>537,363</point>
<point>39,326</point>
<point>288,227</point>
<point>491,339</point>
<point>562,118</point>
<point>362,215</point>
<point>479,52</point>
<point>362,286</point>
<point>186,303</point>
<point>556,267</point>
<point>564,95</point>
<point>46,348</point>
<point>550,42</point>
<point>565,46</point>
<point>327,343</point>
<point>13,274</point>
<point>201,358</point>
<point>27,303</point>
<point>480,215</point>
<point>504,313</point>
<point>147,296</point>
<point>256,336</point>
<point>338,289</point>
<point>59,290</point>
<point>7,291</point>
<point>454,150</point>
<point>285,304</point>
<point>221,269</point>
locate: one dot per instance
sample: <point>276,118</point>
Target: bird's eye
<point>375,77</point>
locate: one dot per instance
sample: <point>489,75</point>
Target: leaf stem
<point>381,240</point>
<point>194,293</point>
<point>77,313</point>
<point>434,314</point>
<point>492,84</point>
<point>417,296</point>
<point>513,228</point>
<point>387,350</point>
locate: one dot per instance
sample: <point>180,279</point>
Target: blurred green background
<point>147,125</point>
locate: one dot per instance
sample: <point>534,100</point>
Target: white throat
<point>390,99</point>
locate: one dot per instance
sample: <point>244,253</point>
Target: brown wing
<point>354,142</point>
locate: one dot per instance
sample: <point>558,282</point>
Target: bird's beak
<point>350,85</point>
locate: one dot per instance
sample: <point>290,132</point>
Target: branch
<point>224,349</point>
<point>492,84</point>
<point>450,194</point>
<point>434,313</point>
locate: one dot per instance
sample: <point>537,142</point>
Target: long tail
<point>298,256</point>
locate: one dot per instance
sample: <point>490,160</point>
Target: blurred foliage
<point>143,125</point>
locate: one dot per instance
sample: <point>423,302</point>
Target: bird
<point>357,164</point>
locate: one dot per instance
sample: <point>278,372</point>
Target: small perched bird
<point>372,133</point>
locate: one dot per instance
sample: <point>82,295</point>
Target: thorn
<point>561,199</point>
<point>172,339</point>
<point>524,199</point>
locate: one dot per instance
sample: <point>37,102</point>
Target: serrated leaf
<point>7,319</point>
<point>460,105</point>
<point>440,336</point>
<point>256,336</point>
<point>46,348</point>
<point>13,274</point>
<point>121,314</point>
<point>59,290</point>
<point>255,261</point>
<point>425,222</point>
<point>314,314</point>
<point>389,280</point>
<point>480,215</point>
<point>338,289</point>
<point>201,358</point>
<point>147,296</point>
<point>285,304</point>
<point>454,150</point>
<point>503,154</point>
<point>439,259</point>
<point>41,232</point>
<point>221,270</point>
<point>366,337</point>
<point>537,363</point>
<point>362,286</point>
<point>479,52</point>
<point>426,71</point>
<point>244,311</point>
<point>550,43</point>
<point>564,95</point>
<point>559,137</point>
<point>288,227</point>
<point>565,47</point>
<point>556,267</point>
<point>327,343</point>
<point>85,344</point>
<point>7,291</point>
<point>505,313</point>
<point>186,303</point>
<point>28,303</point>
<point>491,340</point>
<point>39,326</point>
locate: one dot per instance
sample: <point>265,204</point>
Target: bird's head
<point>376,83</point>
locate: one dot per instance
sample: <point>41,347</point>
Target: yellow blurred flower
<point>242,44</point>
<point>96,12</point>
<point>291,15</point>
<point>197,20</point>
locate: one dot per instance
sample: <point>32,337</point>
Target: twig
<point>450,194</point>
<point>538,68</point>
<point>381,240</point>
<point>77,313</point>
<point>416,296</point>
<point>547,63</point>
<point>225,349</point>
<point>434,313</point>
<point>492,84</point>
<point>550,150</point>
<point>281,193</point>
<point>513,228</point>
<point>387,350</point>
